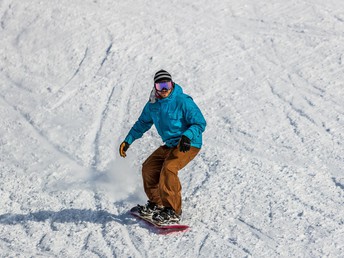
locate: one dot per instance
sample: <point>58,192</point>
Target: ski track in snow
<point>268,77</point>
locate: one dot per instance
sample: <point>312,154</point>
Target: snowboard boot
<point>166,216</point>
<point>149,209</point>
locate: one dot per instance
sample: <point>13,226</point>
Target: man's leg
<point>169,184</point>
<point>151,170</point>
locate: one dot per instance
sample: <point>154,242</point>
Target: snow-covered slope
<point>268,76</point>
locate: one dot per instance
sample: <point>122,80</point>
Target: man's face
<point>164,88</point>
<point>165,93</point>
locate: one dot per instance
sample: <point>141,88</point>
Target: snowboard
<point>163,227</point>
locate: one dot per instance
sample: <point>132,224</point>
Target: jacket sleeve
<point>194,118</point>
<point>142,125</point>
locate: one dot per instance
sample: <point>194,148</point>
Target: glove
<point>123,148</point>
<point>184,144</point>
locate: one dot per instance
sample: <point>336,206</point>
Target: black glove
<point>184,144</point>
<point>123,148</point>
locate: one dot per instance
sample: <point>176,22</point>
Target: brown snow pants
<point>160,175</point>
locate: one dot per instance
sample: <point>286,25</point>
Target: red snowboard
<point>164,227</point>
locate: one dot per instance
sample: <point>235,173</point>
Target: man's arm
<point>142,125</point>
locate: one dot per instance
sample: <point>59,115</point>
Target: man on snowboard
<point>180,124</point>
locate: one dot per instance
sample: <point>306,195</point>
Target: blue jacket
<point>173,117</point>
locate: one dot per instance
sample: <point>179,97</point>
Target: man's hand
<point>123,148</point>
<point>184,144</point>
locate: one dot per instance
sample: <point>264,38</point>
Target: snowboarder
<point>180,124</point>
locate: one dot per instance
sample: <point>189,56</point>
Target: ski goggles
<point>160,86</point>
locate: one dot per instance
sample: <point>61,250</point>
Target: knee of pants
<point>171,167</point>
<point>169,181</point>
<point>150,175</point>
<point>146,168</point>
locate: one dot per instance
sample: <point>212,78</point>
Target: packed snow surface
<point>268,77</point>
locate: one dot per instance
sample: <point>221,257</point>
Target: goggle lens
<point>160,86</point>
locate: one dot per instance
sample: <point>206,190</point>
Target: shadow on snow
<point>66,216</point>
